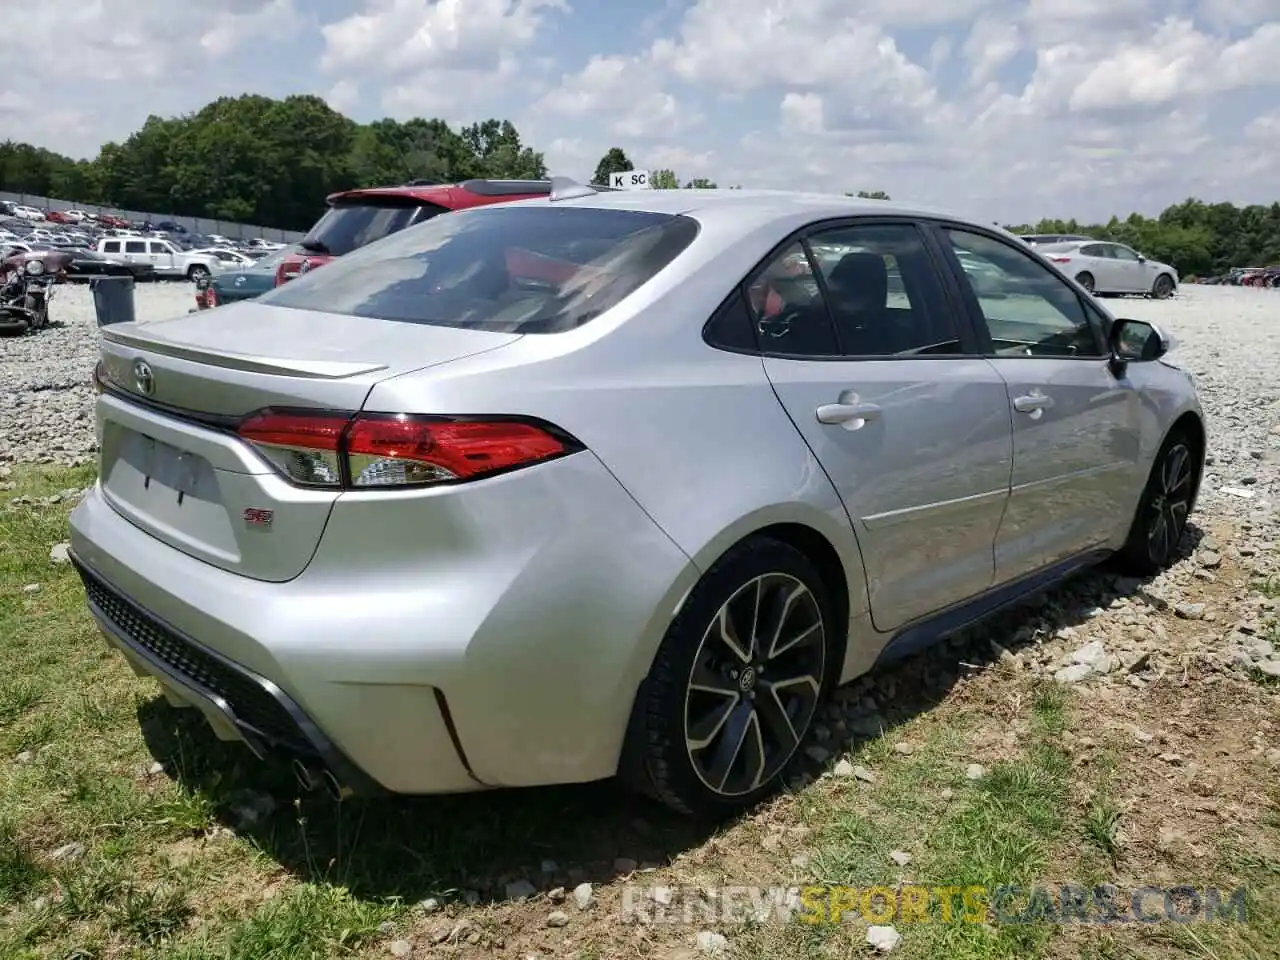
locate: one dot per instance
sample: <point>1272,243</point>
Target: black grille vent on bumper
<point>249,699</point>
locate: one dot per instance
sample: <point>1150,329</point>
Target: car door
<point>1095,259</point>
<point>160,255</point>
<point>880,373</point>
<point>1130,269</point>
<point>1076,425</point>
<point>135,252</point>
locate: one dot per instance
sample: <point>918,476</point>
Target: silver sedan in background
<point>1102,267</point>
<point>613,483</point>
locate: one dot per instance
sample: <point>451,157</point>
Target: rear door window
<point>352,224</point>
<point>503,268</point>
<point>135,246</point>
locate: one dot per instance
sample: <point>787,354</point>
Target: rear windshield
<point>351,224</point>
<point>504,268</point>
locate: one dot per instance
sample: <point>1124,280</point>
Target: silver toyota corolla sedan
<point>1111,268</point>
<point>613,483</point>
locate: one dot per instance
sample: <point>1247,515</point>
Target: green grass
<point>1102,814</point>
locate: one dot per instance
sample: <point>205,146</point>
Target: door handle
<point>1032,403</point>
<point>849,415</point>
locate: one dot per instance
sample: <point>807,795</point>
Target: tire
<point>196,271</point>
<point>681,733</point>
<point>1162,289</point>
<point>1163,509</point>
<point>1085,280</point>
<point>39,317</point>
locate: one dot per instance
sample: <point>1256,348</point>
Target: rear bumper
<point>506,654</point>
<point>238,703</point>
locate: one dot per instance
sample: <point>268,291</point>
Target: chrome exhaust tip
<point>337,790</point>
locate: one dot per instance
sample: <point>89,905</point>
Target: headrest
<point>861,279</point>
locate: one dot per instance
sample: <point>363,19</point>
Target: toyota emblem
<point>143,378</point>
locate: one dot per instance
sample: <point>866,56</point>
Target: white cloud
<point>1238,13</point>
<point>991,43</point>
<point>624,93</point>
<point>80,72</point>
<point>343,95</point>
<point>1008,108</point>
<point>442,55</point>
<point>803,113</point>
<point>1158,71</point>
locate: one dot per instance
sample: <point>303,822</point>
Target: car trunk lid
<point>170,460</point>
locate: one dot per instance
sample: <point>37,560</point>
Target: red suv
<point>359,217</point>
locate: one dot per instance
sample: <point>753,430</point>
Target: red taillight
<point>303,446</point>
<point>1060,259</point>
<point>390,450</point>
<point>210,297</point>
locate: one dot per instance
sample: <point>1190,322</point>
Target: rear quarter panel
<point>696,435</point>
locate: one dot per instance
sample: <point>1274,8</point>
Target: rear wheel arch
<point>823,555</point>
<point>831,570</point>
<point>636,763</point>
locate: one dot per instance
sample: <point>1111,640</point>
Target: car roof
<point>752,208</point>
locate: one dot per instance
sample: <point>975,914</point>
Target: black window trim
<point>977,319</point>
<point>969,336</point>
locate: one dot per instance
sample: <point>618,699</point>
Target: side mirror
<point>1142,258</point>
<point>1136,341</point>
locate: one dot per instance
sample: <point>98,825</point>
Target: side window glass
<point>1123,253</point>
<point>883,291</point>
<point>732,326</point>
<point>1028,311</point>
<point>112,246</point>
<point>787,308</point>
<point>135,246</point>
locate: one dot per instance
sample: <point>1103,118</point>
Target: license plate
<point>170,468</point>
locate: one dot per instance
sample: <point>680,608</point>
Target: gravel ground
<point>46,399</point>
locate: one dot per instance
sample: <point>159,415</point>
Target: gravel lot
<point>1226,336</point>
<point>45,393</point>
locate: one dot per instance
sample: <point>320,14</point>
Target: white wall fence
<point>204,225</point>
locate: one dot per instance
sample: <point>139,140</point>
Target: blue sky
<point>1006,109</point>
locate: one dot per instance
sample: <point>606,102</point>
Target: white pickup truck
<point>167,259</point>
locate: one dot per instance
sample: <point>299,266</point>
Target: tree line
<point>255,159</point>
